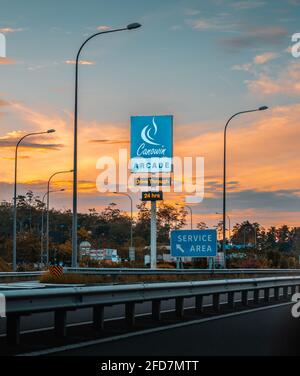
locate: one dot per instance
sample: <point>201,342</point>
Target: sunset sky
<point>200,61</point>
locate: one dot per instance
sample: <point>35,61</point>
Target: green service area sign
<point>194,243</point>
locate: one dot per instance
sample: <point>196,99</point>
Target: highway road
<point>265,330</point>
<point>42,321</point>
<point>270,331</point>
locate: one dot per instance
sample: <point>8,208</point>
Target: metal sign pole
<point>153,234</point>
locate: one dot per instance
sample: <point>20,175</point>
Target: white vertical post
<point>153,234</point>
<point>2,306</point>
<point>2,45</point>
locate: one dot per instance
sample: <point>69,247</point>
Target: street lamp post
<point>229,225</point>
<point>74,222</point>
<point>224,173</point>
<point>14,261</point>
<point>179,260</point>
<point>48,204</point>
<point>254,232</point>
<point>42,222</point>
<point>191,212</point>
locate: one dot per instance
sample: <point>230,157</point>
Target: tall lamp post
<point>224,173</point>
<point>191,212</point>
<point>48,204</point>
<point>42,222</point>
<point>131,215</point>
<point>179,259</point>
<point>14,261</point>
<point>254,232</point>
<point>229,225</point>
<point>131,26</point>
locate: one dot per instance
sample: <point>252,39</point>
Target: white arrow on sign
<point>178,246</point>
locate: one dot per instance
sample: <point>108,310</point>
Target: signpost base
<point>131,254</point>
<point>153,235</point>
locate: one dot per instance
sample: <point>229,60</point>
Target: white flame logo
<point>148,133</point>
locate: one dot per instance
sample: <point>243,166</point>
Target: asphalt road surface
<point>270,331</point>
<point>46,320</point>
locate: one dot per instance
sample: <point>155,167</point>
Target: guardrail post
<point>156,307</point>
<point>216,302</point>
<point>256,296</point>
<point>267,295</point>
<point>60,323</point>
<point>13,329</point>
<point>130,313</point>
<point>245,297</point>
<point>199,303</point>
<point>98,317</point>
<point>230,299</point>
<point>276,293</point>
<point>285,292</point>
<point>293,289</point>
<point>179,307</point>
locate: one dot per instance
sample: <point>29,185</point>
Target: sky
<point>200,61</point>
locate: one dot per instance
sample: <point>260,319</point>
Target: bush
<point>249,263</point>
<point>165,265</point>
<point>4,267</point>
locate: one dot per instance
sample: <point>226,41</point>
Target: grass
<point>74,278</point>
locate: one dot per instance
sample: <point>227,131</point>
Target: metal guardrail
<point>61,300</point>
<point>141,271</point>
<point>144,271</point>
<point>20,274</point>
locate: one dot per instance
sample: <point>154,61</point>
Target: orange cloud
<point>262,154</point>
<point>10,140</point>
<point>103,28</point>
<point>264,58</point>
<point>287,82</point>
<point>6,61</point>
<point>81,62</point>
<point>10,30</point>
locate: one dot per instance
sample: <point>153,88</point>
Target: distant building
<point>84,247</point>
<point>106,254</point>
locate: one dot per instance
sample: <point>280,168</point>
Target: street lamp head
<point>50,130</point>
<point>263,108</point>
<point>134,25</point>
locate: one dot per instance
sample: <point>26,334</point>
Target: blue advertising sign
<point>151,144</point>
<point>194,243</point>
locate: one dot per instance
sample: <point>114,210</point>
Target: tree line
<point>110,228</point>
